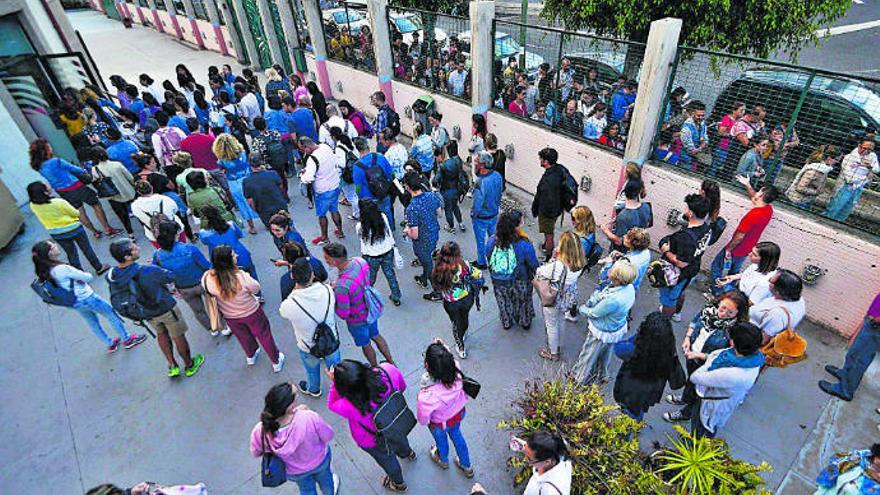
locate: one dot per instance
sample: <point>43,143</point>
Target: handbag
<point>470,386</point>
<point>786,347</point>
<point>211,308</point>
<point>273,471</point>
<point>547,288</point>
<point>104,185</point>
<point>398,259</point>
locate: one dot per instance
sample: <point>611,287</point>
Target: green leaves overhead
<point>746,27</point>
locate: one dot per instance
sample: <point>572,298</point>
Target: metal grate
<point>348,35</point>
<point>778,124</point>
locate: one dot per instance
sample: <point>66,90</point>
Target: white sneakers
<point>253,359</point>
<point>280,366</point>
<point>226,332</point>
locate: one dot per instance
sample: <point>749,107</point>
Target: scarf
<point>729,359</point>
<point>712,323</point>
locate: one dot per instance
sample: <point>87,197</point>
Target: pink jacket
<point>437,402</point>
<point>302,445</point>
<point>243,303</point>
<point>356,419</point>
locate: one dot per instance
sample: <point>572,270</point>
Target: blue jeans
<point>483,229</point>
<point>321,476</point>
<point>77,237</point>
<point>640,416</point>
<point>670,296</point>
<point>719,156</point>
<point>736,263</point>
<point>454,433</point>
<point>313,368</point>
<point>93,306</point>
<point>386,262</point>
<point>842,204</point>
<point>858,358</point>
<point>387,208</point>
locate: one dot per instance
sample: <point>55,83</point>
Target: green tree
<point>746,27</point>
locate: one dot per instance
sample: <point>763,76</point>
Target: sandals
<point>546,354</point>
<point>468,472</point>
<point>392,486</point>
<point>436,458</point>
<point>339,233</point>
<point>98,234</point>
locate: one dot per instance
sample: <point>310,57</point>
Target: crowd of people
<point>190,169</point>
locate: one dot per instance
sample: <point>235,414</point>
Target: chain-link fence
<point>348,35</point>
<point>809,132</point>
<point>580,85</point>
<point>431,50</point>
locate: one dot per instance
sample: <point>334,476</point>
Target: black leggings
<point>458,313</point>
<point>121,211</point>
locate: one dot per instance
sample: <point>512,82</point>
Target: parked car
<point>835,110</point>
<point>505,47</point>
<point>336,18</point>
<point>409,23</point>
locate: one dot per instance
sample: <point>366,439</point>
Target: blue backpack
<point>53,294</point>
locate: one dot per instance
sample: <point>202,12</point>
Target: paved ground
<point>74,417</point>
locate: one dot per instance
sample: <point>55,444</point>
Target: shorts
<point>546,225</point>
<point>363,333</point>
<point>669,295</point>
<point>171,323</point>
<point>327,202</point>
<point>79,196</point>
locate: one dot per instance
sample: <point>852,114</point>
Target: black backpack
<point>324,341</point>
<point>276,152</point>
<point>569,190</point>
<point>126,298</point>
<point>377,182</point>
<point>393,121</point>
<point>393,418</point>
<point>593,256</point>
<point>348,169</point>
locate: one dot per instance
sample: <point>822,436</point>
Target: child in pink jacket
<point>297,435</point>
<point>441,404</point>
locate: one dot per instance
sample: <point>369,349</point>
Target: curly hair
<point>654,352</point>
<point>227,147</point>
<point>40,151</point>
<point>448,266</point>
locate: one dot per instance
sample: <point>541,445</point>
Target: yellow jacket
<point>57,216</point>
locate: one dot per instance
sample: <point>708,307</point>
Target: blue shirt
<point>382,118</point>
<point>304,123</point>
<point>136,105</point>
<point>619,103</point>
<point>608,308</point>
<point>422,213</point>
<point>121,151</point>
<point>422,151</point>
<point>204,116</point>
<point>360,177</point>
<point>230,238</point>
<point>277,120</point>
<point>526,260</point>
<point>186,263</point>
<point>179,122</point>
<point>152,282</point>
<point>287,283</point>
<point>487,196</point>
<point>59,173</point>
<point>236,169</point>
<point>290,235</point>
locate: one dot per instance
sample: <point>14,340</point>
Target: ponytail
<point>548,445</point>
<point>279,398</point>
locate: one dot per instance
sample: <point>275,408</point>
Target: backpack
<point>393,418</point>
<point>126,298</point>
<point>464,180</point>
<point>502,262</point>
<point>375,308</point>
<point>276,152</point>
<point>569,190</point>
<point>393,121</point>
<point>170,142</point>
<point>368,128</point>
<point>53,294</point>
<point>348,168</point>
<point>157,219</point>
<point>377,182</point>
<point>661,274</point>
<point>324,341</point>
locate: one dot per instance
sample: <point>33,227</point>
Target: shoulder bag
<point>273,471</point>
<point>548,288</point>
<point>211,308</point>
<point>104,185</point>
<point>786,347</point>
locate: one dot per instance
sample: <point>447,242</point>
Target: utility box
<point>421,108</point>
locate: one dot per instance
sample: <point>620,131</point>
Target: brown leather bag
<point>785,348</point>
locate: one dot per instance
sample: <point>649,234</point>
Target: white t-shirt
<point>769,316</point>
<point>556,481</point>
<point>335,121</point>
<point>379,248</point>
<point>325,173</point>
<point>313,299</point>
<point>250,107</point>
<point>146,206</point>
<point>755,285</point>
<point>553,270</point>
<point>63,274</point>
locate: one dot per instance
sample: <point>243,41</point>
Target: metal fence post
<point>557,112</point>
<point>789,128</point>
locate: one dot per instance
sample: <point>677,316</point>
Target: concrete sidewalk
<point>75,417</point>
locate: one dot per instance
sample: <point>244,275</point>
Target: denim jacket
<point>487,196</point>
<point>186,263</point>
<point>608,308</point>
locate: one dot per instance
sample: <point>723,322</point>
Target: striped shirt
<point>351,305</point>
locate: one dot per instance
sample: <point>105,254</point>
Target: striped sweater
<point>351,303</point>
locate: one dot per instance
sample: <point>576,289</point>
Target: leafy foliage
<point>605,451</point>
<point>746,27</point>
<point>604,445</point>
<point>699,466</point>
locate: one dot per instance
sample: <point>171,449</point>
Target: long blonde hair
<point>584,223</point>
<point>227,147</point>
<point>571,251</point>
<point>272,74</point>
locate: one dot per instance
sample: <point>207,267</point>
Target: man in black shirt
<point>548,202</point>
<point>263,190</point>
<point>685,249</point>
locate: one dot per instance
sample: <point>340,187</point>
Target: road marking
<point>849,28</point>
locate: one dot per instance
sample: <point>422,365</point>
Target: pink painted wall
<point>208,35</point>
<point>228,37</point>
<point>167,25</point>
<point>357,86</point>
